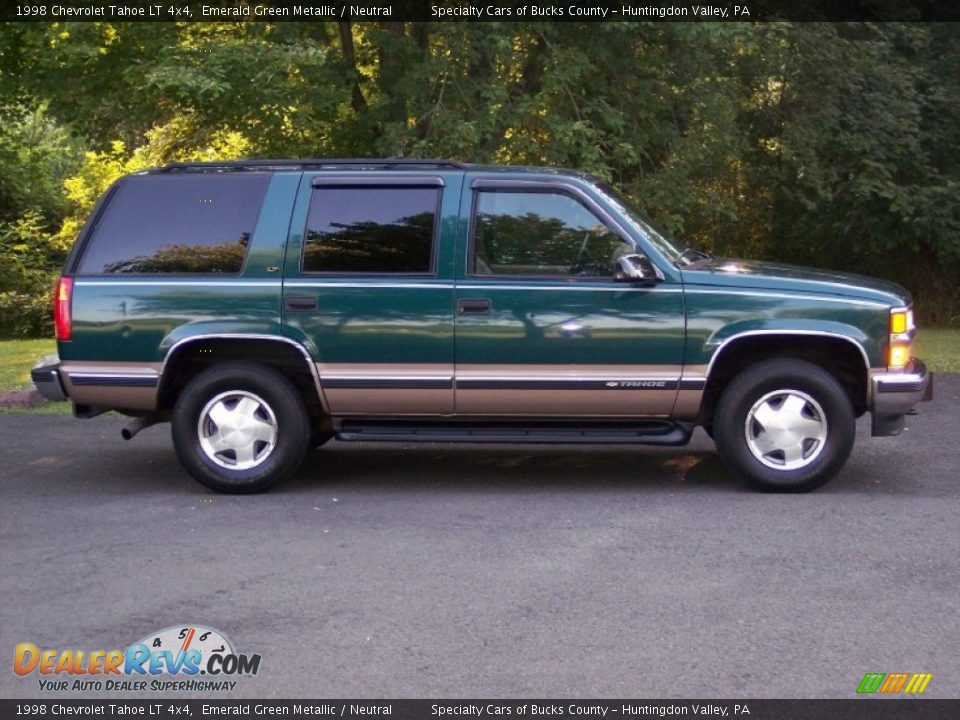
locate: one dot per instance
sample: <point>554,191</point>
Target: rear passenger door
<point>368,288</point>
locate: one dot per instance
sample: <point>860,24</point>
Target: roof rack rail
<point>309,164</point>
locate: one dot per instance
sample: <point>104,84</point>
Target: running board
<point>511,431</point>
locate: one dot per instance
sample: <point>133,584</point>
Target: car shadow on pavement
<point>505,468</point>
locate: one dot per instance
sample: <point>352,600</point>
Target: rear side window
<point>375,230</point>
<point>177,224</point>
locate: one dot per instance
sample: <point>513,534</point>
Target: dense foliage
<point>828,144</point>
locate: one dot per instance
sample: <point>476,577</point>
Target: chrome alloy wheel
<point>786,429</point>
<point>237,430</point>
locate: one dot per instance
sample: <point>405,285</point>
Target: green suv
<point>265,307</point>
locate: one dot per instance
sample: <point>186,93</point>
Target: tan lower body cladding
<point>435,389</point>
<point>121,385</point>
<point>511,390</point>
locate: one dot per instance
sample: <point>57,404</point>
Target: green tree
<point>833,144</point>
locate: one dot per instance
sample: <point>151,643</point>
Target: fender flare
<point>726,342</point>
<point>183,342</point>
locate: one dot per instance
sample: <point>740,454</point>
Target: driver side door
<point>541,326</point>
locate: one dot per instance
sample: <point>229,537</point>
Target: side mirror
<point>635,268</point>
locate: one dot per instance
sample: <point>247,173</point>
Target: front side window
<point>176,224</point>
<point>374,230</point>
<point>541,234</point>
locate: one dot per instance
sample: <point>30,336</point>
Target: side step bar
<point>511,431</point>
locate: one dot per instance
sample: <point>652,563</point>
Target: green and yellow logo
<point>892,683</point>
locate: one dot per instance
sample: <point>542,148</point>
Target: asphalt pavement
<point>493,571</point>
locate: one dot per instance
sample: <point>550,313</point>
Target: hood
<point>735,273</point>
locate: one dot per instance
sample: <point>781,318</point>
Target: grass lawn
<point>17,357</point>
<point>939,348</point>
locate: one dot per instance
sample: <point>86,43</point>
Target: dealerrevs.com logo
<point>178,658</point>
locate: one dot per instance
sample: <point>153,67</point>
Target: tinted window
<point>371,230</point>
<point>541,233</point>
<point>177,224</point>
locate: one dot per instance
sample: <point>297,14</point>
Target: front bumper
<point>46,378</point>
<point>893,396</point>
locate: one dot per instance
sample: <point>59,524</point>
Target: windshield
<point>660,238</point>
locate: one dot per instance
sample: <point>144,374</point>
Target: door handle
<point>294,302</point>
<point>473,306</point>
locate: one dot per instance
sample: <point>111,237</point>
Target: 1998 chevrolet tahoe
<point>266,306</point>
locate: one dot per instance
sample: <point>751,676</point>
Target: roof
<point>373,164</point>
<point>313,164</point>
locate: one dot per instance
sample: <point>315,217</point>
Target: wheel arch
<point>841,355</point>
<point>190,355</point>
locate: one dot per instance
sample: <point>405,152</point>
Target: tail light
<point>62,321</point>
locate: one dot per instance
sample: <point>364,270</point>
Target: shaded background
<point>828,144</point>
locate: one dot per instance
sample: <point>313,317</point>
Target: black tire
<point>768,383</point>
<point>233,381</point>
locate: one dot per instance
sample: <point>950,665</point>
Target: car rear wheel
<point>785,425</point>
<point>240,427</point>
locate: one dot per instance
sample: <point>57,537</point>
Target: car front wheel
<point>785,425</point>
<point>240,427</point>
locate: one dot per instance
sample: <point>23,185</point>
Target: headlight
<point>901,321</point>
<point>901,336</point>
<point>899,356</point>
